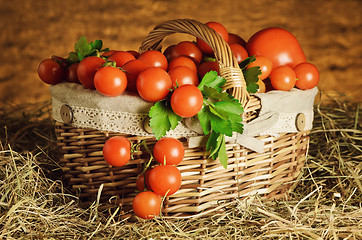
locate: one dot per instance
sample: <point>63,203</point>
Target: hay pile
<point>325,203</point>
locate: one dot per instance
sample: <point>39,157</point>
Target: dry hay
<point>325,203</point>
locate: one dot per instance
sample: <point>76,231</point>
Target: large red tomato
<point>278,45</point>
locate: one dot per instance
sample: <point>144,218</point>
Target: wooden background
<point>330,33</point>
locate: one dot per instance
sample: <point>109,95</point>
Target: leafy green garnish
<point>219,117</point>
<point>83,49</point>
<point>250,74</point>
<point>211,79</point>
<point>162,118</point>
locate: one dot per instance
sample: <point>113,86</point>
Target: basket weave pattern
<point>205,183</point>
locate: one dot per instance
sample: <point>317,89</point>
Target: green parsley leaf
<point>97,44</point>
<point>246,62</point>
<point>216,146</point>
<point>82,48</point>
<point>72,57</point>
<point>214,93</point>
<point>162,118</point>
<point>204,118</point>
<point>211,79</point>
<point>251,78</point>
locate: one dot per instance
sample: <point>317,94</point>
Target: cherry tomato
<point>182,61</point>
<point>265,65</point>
<point>147,205</point>
<point>169,151</point>
<point>283,78</point>
<point>278,45</point>
<point>307,76</point>
<point>206,67</point>
<point>132,69</point>
<point>155,59</point>
<point>142,181</point>
<point>239,52</point>
<point>121,58</point>
<point>235,38</point>
<point>134,53</point>
<point>187,48</point>
<point>109,53</point>
<point>220,29</point>
<point>186,101</point>
<point>87,68</point>
<point>261,85</point>
<point>165,179</point>
<point>117,151</point>
<point>168,52</point>
<point>51,72</point>
<point>182,75</point>
<point>153,84</point>
<point>72,73</point>
<point>110,81</point>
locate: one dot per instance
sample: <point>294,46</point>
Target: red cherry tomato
<point>110,81</point>
<point>262,87</point>
<point>87,68</point>
<point>206,67</point>
<point>165,179</point>
<point>155,59</point>
<point>220,29</point>
<point>235,38</point>
<point>182,75</point>
<point>147,205</point>
<point>265,65</point>
<point>278,45</point>
<point>134,53</point>
<point>72,73</point>
<point>117,151</point>
<point>168,52</point>
<point>239,52</point>
<point>186,101</point>
<point>132,69</point>
<point>169,151</point>
<point>187,48</point>
<point>283,78</point>
<point>109,53</point>
<point>142,181</point>
<point>51,72</point>
<point>182,61</point>
<point>307,76</point>
<point>153,84</point>
<point>121,58</point>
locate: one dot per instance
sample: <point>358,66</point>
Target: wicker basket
<point>205,183</point>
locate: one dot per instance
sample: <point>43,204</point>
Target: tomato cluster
<point>153,183</point>
<point>153,74</point>
<point>175,74</point>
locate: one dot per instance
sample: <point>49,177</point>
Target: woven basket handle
<point>229,68</point>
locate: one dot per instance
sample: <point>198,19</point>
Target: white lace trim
<point>113,121</point>
<point>286,123</point>
<point>127,113</point>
